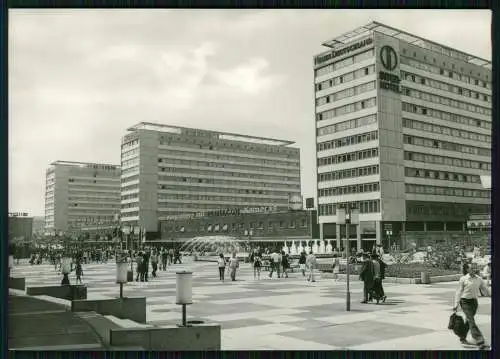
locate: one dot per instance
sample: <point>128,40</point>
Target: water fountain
<point>315,247</point>
<point>286,249</point>
<point>214,244</point>
<point>322,247</point>
<point>329,248</point>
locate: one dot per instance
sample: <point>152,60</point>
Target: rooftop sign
<point>336,53</point>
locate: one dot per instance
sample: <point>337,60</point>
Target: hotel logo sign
<point>389,60</point>
<point>345,50</point>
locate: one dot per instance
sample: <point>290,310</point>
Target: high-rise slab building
<point>403,133</point>
<point>82,197</point>
<point>169,171</point>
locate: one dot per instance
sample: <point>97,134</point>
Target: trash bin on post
<point>65,270</point>
<point>121,275</point>
<point>425,278</point>
<point>184,292</point>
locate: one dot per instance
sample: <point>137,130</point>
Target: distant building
<point>169,171</point>
<point>403,133</point>
<point>255,225</point>
<point>20,227</point>
<point>39,225</point>
<point>81,196</point>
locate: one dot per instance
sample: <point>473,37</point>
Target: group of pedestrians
<point>372,274</point>
<point>158,258</point>
<point>232,264</point>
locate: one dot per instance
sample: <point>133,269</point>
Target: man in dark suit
<point>145,263</point>
<point>367,276</point>
<point>379,275</point>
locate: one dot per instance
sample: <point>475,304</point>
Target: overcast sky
<point>79,78</point>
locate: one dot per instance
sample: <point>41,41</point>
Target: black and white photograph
<point>260,179</point>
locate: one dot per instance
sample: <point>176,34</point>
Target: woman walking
<point>222,266</point>
<point>257,265</point>
<point>336,267</point>
<point>285,261</point>
<point>302,263</point>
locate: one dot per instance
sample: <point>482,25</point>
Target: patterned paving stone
<point>346,335</point>
<point>287,313</point>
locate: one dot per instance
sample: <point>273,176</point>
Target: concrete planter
<point>123,308</point>
<point>68,292</point>
<point>199,337</point>
<point>17,283</point>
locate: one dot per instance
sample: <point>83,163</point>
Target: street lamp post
<point>137,232</point>
<point>348,217</point>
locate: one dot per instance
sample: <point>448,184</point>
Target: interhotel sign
<point>389,60</point>
<point>223,212</point>
<point>343,51</point>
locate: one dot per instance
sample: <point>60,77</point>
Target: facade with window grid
<point>256,228</point>
<point>403,132</point>
<point>82,197</point>
<point>171,171</point>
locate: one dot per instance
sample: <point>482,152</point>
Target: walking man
<point>275,264</point>
<point>466,296</point>
<point>367,276</point>
<point>311,265</point>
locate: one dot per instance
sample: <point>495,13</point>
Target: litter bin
<point>184,292</point>
<point>425,278</point>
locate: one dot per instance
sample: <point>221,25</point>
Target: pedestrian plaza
<point>286,313</point>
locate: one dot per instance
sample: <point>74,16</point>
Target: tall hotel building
<point>403,133</point>
<point>170,171</point>
<point>82,197</point>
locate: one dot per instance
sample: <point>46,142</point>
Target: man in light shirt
<point>275,263</point>
<point>467,293</point>
<point>311,265</point>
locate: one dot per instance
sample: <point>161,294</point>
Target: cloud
<point>79,78</point>
<point>249,77</point>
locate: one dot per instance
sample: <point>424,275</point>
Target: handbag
<point>459,326</point>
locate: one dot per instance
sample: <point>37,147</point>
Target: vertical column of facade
<point>391,149</point>
<point>130,175</point>
<point>61,193</point>
<point>338,236</point>
<point>148,181</point>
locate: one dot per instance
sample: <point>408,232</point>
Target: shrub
<point>411,270</point>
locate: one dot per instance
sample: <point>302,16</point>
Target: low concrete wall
<point>17,283</point>
<point>199,337</point>
<point>68,292</point>
<point>446,278</point>
<point>123,308</point>
<point>100,324</point>
<point>396,280</point>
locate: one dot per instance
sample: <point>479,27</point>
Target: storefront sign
<point>223,212</point>
<point>18,214</point>
<point>343,51</point>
